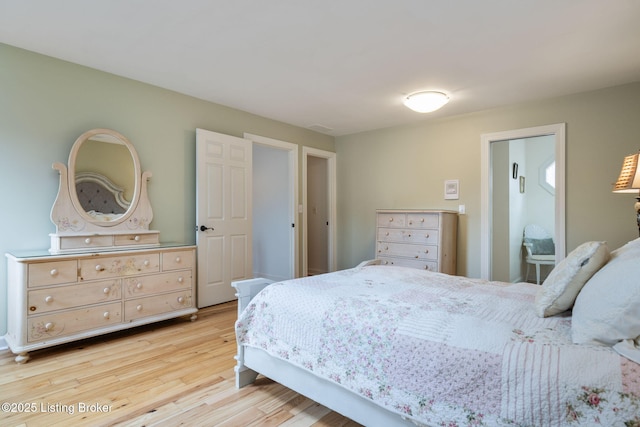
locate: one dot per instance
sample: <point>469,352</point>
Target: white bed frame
<point>253,361</point>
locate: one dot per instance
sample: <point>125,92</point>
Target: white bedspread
<point>443,350</point>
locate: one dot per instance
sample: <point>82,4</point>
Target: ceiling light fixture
<point>426,101</point>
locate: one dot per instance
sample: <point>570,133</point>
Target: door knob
<point>203,228</point>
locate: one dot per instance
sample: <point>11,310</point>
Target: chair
<point>540,248</point>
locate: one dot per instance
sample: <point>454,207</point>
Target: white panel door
<point>223,214</point>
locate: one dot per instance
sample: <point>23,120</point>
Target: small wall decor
<point>514,170</point>
<point>451,189</point>
<point>522,184</point>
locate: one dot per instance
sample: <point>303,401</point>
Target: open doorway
<point>319,208</point>
<point>275,241</point>
<point>522,193</point>
<point>493,210</point>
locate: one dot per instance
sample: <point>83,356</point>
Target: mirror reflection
<point>104,173</point>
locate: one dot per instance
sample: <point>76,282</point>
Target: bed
<point>100,197</point>
<point>389,346</point>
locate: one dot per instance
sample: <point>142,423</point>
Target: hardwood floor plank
<point>171,373</point>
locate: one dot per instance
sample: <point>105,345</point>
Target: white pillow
<point>559,291</point>
<point>607,309</point>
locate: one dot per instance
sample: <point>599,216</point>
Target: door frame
<point>331,197</point>
<point>292,150</point>
<point>558,131</point>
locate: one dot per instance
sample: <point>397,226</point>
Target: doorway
<point>319,210</point>
<point>497,210</point>
<point>274,201</point>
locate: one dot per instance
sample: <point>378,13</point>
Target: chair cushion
<point>607,310</point>
<point>541,246</point>
<point>559,291</point>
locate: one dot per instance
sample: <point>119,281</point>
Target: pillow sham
<point>607,310</point>
<point>560,289</point>
<point>541,246</point>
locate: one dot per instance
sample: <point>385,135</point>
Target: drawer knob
<point>139,307</point>
<point>106,315</point>
<point>106,291</point>
<point>426,235</point>
<point>426,251</point>
<point>87,240</point>
<point>48,326</point>
<point>409,235</point>
<point>48,299</point>
<point>54,272</point>
<point>178,260</point>
<point>391,219</point>
<point>139,285</point>
<point>99,267</point>
<point>180,279</point>
<point>411,222</point>
<point>421,219</point>
<point>146,263</point>
<point>181,300</point>
<point>136,238</point>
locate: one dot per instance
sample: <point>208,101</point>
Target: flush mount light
<point>426,101</point>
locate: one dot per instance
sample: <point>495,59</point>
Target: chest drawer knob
<point>136,238</point>
<point>54,272</point>
<point>180,279</point>
<point>146,262</point>
<point>99,267</point>
<point>181,300</point>
<point>426,235</point>
<point>106,315</point>
<point>87,240</point>
<point>48,326</point>
<point>421,219</point>
<point>426,251</point>
<point>48,299</point>
<point>106,291</point>
<point>178,260</point>
<point>391,219</point>
<point>139,285</point>
<point>139,307</point>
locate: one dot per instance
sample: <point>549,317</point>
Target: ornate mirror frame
<point>77,230</point>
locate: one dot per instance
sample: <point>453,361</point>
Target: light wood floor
<point>172,373</point>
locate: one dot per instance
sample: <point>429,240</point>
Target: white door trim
<point>331,172</point>
<point>558,131</point>
<point>293,178</point>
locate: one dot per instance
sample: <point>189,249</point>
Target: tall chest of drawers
<point>53,299</point>
<point>424,239</point>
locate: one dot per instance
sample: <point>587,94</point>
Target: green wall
<point>45,104</point>
<point>405,167</point>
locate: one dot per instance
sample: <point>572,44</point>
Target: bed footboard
<point>245,291</point>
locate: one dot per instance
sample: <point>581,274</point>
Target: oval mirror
<point>104,177</point>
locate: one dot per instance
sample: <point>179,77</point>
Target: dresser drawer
<point>144,285</point>
<point>392,220</point>
<point>413,263</point>
<point>159,304</point>
<point>422,220</point>
<point>85,242</point>
<point>53,273</point>
<point>177,260</point>
<point>408,236</point>
<point>136,239</point>
<point>125,265</point>
<point>408,251</point>
<point>63,297</point>
<point>69,322</point>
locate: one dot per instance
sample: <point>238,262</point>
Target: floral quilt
<point>443,350</point>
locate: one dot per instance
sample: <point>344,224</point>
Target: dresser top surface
<point>415,211</point>
<point>41,254</point>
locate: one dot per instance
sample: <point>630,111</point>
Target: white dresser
<point>53,299</point>
<point>424,239</point>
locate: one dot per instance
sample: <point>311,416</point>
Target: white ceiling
<point>342,64</point>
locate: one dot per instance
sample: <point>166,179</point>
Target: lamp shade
<point>629,179</point>
<point>426,102</point>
